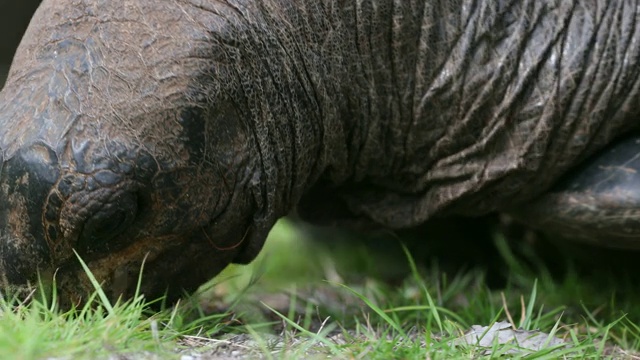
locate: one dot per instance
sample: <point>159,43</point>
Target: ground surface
<point>294,302</point>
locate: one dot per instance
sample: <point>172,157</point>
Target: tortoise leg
<point>598,203</point>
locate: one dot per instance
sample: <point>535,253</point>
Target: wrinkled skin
<point>177,132</point>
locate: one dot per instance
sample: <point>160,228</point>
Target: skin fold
<point>176,133</point>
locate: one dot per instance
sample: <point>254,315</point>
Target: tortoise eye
<point>111,221</point>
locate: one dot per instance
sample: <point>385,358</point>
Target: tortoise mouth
<point>118,272</point>
<point>171,267</point>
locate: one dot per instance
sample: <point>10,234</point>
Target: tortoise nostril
<point>109,221</point>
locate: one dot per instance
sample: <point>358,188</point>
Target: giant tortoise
<point>176,133</point>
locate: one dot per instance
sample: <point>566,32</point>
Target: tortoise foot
<point>598,203</point>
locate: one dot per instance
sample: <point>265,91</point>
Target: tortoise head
<point>117,154</point>
<point>117,207</point>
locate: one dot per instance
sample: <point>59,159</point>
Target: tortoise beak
<point>25,180</point>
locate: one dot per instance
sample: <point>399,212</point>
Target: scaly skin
<point>180,131</point>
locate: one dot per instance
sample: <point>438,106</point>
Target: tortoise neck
<point>293,91</point>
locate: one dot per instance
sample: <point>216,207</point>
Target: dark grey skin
<point>177,132</point>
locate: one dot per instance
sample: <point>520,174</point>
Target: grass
<point>285,306</point>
